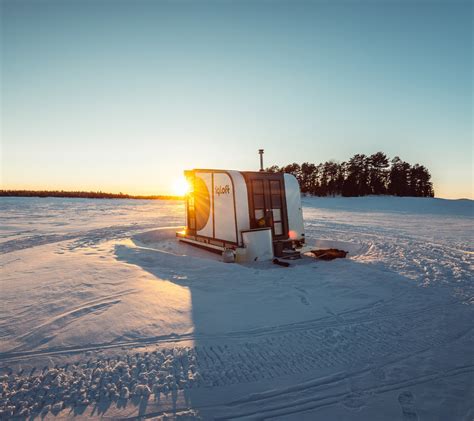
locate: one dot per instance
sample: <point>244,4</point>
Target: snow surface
<point>105,314</point>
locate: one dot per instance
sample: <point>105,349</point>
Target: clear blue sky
<point>124,95</point>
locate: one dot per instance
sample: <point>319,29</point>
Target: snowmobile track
<point>309,329</point>
<point>293,403</point>
<point>223,365</point>
<point>82,239</point>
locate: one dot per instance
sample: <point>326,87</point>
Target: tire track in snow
<point>329,347</point>
<point>418,257</point>
<point>306,327</point>
<point>228,362</point>
<point>291,405</point>
<point>83,238</point>
<point>77,310</point>
<point>38,334</point>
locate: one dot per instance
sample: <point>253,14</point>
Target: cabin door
<point>267,204</point>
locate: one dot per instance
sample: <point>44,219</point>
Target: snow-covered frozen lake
<point>104,314</point>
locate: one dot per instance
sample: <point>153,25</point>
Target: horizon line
<point>121,195</point>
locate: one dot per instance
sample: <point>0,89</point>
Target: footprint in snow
<point>407,403</point>
<point>355,400</point>
<point>304,300</point>
<point>378,373</point>
<point>302,297</point>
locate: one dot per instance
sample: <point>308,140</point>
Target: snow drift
<point>103,312</point>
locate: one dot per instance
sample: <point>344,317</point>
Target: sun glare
<point>180,187</point>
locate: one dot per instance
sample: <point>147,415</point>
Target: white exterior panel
<point>241,201</point>
<point>258,244</point>
<point>293,204</point>
<point>224,208</point>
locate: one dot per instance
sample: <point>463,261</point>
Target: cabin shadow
<point>218,293</point>
<point>198,275</point>
<point>234,304</point>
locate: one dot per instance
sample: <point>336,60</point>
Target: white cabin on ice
<point>223,206</point>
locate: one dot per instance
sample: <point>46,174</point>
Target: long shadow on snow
<point>240,305</point>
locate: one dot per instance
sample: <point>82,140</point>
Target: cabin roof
<point>227,170</point>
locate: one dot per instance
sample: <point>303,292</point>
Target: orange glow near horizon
<point>180,187</point>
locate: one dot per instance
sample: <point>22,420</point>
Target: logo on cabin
<point>222,189</point>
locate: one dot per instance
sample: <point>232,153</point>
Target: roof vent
<point>260,151</point>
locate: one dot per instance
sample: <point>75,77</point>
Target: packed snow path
<point>105,314</point>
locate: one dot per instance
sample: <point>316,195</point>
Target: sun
<point>180,187</point>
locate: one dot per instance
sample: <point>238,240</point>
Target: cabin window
<point>276,200</point>
<point>257,187</point>
<point>258,201</point>
<point>276,214</point>
<point>275,186</point>
<point>275,189</point>
<point>259,213</point>
<point>267,198</point>
<point>278,228</point>
<point>275,196</point>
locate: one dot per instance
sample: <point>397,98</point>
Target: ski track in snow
<point>419,257</point>
<point>342,345</point>
<point>368,341</point>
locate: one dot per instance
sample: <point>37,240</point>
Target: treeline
<point>82,194</point>
<point>360,176</point>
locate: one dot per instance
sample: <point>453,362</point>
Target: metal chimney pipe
<point>260,151</point>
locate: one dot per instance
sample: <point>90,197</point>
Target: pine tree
<point>378,173</point>
<point>399,178</point>
<point>307,177</point>
<point>360,176</point>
